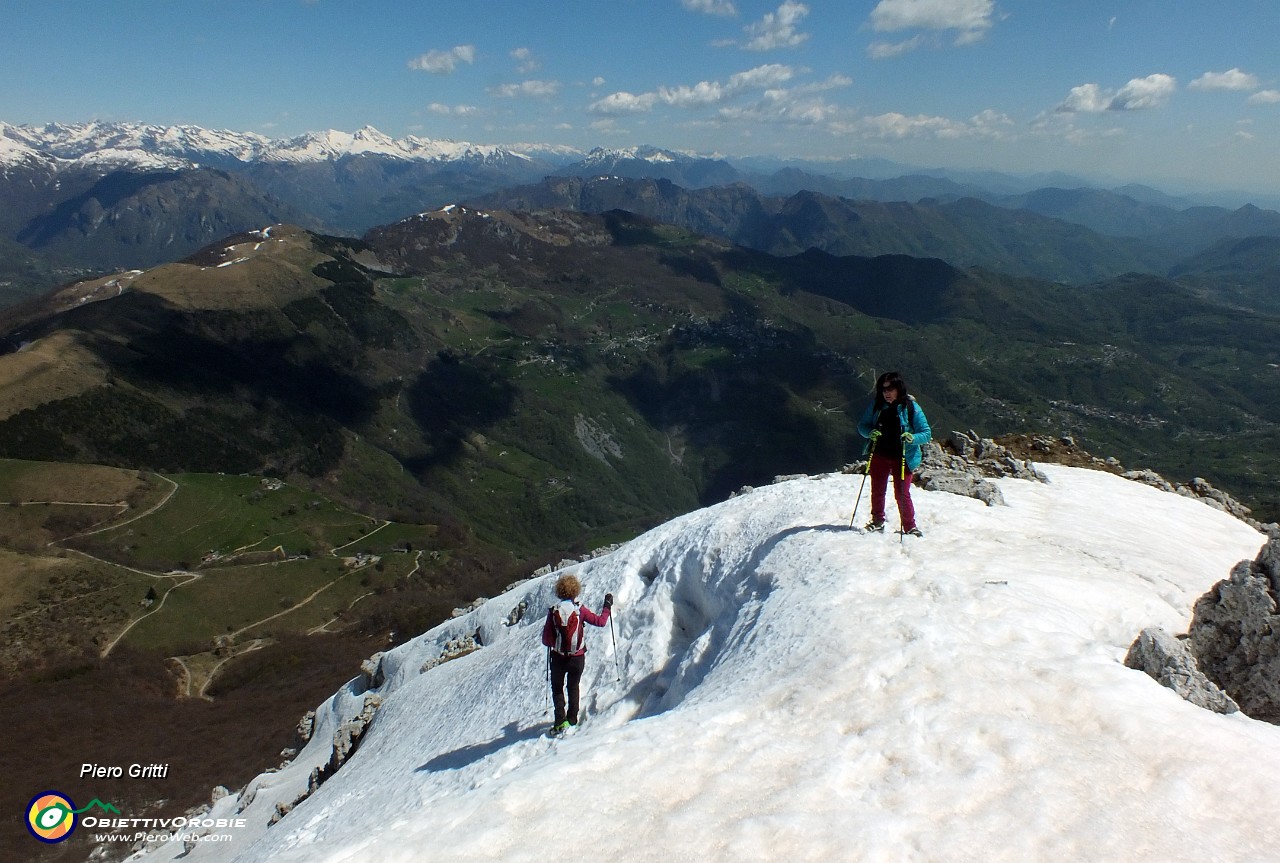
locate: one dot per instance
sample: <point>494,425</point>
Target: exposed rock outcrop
<point>1235,634</point>
<point>345,741</point>
<point>1203,490</point>
<point>452,649</point>
<point>306,726</point>
<point>1232,650</point>
<point>1171,664</point>
<point>371,674</point>
<point>964,463</point>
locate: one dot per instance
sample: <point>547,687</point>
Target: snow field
<point>795,690</point>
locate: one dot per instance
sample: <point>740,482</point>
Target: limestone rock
<point>1167,660</point>
<point>964,484</point>
<point>964,464</point>
<point>1202,490</point>
<point>346,739</point>
<point>371,672</point>
<point>306,726</point>
<point>452,649</point>
<point>1235,635</point>
<point>516,614</point>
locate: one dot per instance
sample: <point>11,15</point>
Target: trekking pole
<point>861,486</point>
<point>902,528</point>
<point>547,708</point>
<point>614,635</point>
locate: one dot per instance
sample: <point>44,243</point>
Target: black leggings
<point>566,668</point>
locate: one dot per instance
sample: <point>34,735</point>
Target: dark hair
<point>896,380</point>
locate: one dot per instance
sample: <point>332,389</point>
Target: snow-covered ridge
<point>152,146</point>
<point>331,145</point>
<point>446,212</point>
<point>644,153</point>
<point>785,688</point>
<point>13,152</point>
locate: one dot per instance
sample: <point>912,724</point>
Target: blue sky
<point>1181,93</point>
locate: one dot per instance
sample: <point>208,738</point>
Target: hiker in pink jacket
<point>562,635</point>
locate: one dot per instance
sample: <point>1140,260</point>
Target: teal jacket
<point>916,423</point>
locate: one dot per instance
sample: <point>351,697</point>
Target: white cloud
<point>991,123</point>
<point>794,106</point>
<point>710,7</point>
<point>988,124</point>
<point>1265,97</point>
<point>526,89</point>
<point>972,18</point>
<point>597,81</point>
<point>834,81</point>
<point>608,126</point>
<point>525,61</point>
<point>1085,99</point>
<point>451,110</point>
<point>1232,79</point>
<point>1061,126</point>
<point>884,50</point>
<point>624,103</point>
<point>699,95</point>
<point>800,107</point>
<point>444,62</point>
<point>768,75</point>
<point>778,29</point>
<point>782,108</point>
<point>1152,91</point>
<point>1139,94</point>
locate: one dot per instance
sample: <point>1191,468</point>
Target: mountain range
<point>173,147</point>
<point>96,196</point>
<point>404,361</point>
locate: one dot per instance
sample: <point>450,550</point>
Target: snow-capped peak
<point>100,142</point>
<point>643,153</point>
<point>334,144</point>
<point>13,152</point>
<point>185,143</point>
<point>775,686</point>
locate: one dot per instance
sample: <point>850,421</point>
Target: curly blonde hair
<point>568,586</point>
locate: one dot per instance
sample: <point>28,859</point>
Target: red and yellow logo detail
<point>51,816</point>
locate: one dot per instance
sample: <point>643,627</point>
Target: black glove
<point>608,600</point>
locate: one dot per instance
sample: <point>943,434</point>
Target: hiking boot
<point>874,526</point>
<point>559,728</point>
<point>915,531</point>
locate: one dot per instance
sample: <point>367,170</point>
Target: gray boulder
<point>1203,490</point>
<point>964,464</point>
<point>1168,661</point>
<point>1235,634</point>
<point>371,674</point>
<point>966,484</point>
<point>306,725</point>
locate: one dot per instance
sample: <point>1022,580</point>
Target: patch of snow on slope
<point>786,688</point>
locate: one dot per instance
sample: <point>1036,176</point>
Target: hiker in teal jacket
<point>896,428</point>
